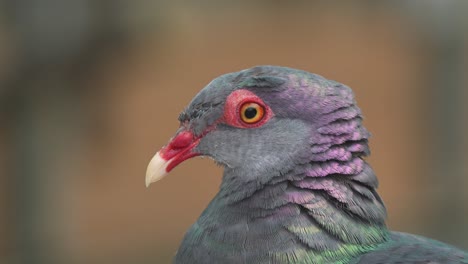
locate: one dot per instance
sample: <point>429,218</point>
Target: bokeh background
<point>90,90</point>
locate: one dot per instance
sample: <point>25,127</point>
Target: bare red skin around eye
<point>234,103</point>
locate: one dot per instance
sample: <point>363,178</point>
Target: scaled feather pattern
<point>296,186</point>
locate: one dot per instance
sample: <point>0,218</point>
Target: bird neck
<point>326,200</point>
<point>335,216</point>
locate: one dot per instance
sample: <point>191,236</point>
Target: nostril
<point>182,140</point>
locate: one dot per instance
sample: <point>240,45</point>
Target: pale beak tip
<point>147,182</point>
<point>156,169</point>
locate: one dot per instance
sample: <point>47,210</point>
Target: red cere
<point>180,145</point>
<point>234,103</point>
<point>182,140</point>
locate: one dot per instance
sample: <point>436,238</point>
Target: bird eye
<point>244,109</point>
<point>251,113</point>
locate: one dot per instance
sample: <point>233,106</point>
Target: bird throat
<point>296,216</point>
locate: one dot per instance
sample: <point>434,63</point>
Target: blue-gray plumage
<point>296,187</point>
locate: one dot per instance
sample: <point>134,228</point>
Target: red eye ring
<point>251,112</point>
<point>236,106</point>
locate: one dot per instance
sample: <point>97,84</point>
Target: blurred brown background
<point>90,90</point>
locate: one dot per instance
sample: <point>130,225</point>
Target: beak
<point>180,148</point>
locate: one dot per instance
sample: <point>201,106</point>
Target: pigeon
<point>296,186</point>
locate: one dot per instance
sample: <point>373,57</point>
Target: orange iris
<point>251,113</point>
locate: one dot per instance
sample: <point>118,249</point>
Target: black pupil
<point>250,112</point>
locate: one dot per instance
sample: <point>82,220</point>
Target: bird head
<point>258,123</point>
